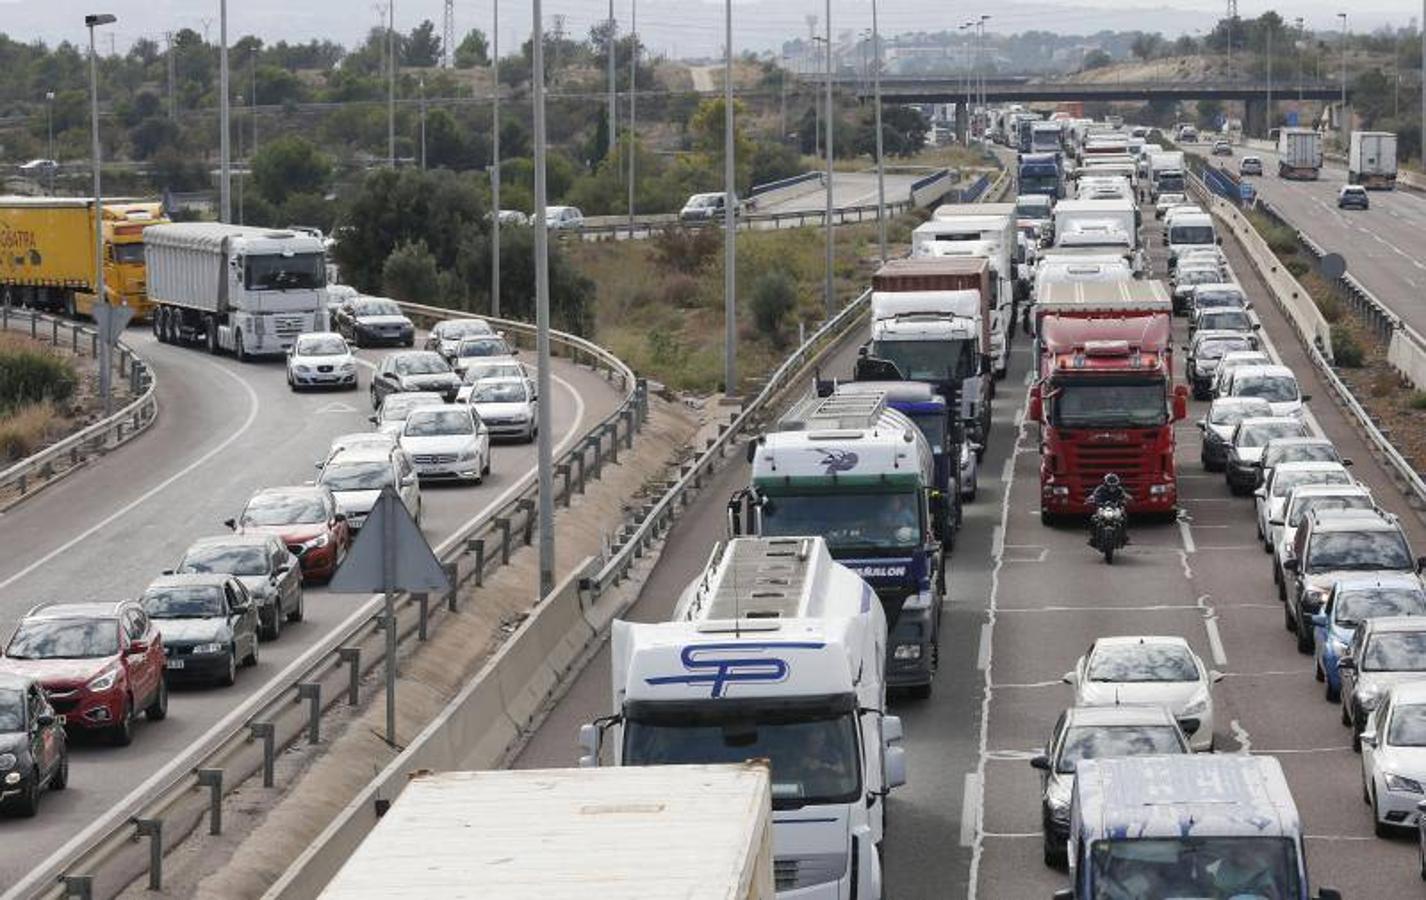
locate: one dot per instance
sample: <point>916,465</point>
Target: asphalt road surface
<point>225,429</point>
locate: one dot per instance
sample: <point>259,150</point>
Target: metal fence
<point>129,840</point>
<point>39,469</point>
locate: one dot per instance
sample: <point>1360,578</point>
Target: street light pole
<point>1268,118</point>
<point>828,295</point>
<point>880,157</point>
<point>1301,38</point>
<point>100,295</point>
<point>495,160</point>
<point>981,79</point>
<point>730,234</point>
<point>225,141</point>
<point>49,124</point>
<point>613,96</point>
<point>543,452</point>
<point>421,87</point>
<point>633,92</point>
<point>391,82</point>
<point>1343,17</point>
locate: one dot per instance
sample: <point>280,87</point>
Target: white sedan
<point>1394,757</point>
<point>1270,499</point>
<point>321,359</point>
<point>1149,669</point>
<point>447,442</point>
<point>507,406</point>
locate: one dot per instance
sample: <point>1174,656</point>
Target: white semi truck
<point>250,291</point>
<point>695,832</point>
<point>776,652</point>
<point>1299,154</point>
<point>1372,160</point>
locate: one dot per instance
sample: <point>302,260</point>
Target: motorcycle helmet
<point>1111,480</point>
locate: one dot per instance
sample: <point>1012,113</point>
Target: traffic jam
<point>90,670</point>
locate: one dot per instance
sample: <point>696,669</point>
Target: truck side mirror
<point>985,364</point>
<point>589,744</point>
<point>1180,402</point>
<point>1329,893</point>
<point>892,731</point>
<point>1068,894</point>
<point>752,450</point>
<point>1036,412</point>
<point>894,766</point>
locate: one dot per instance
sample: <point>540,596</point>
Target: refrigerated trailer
<point>1372,160</point>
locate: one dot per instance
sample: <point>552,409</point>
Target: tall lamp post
<point>828,293</point>
<point>730,234</point>
<point>880,156</point>
<point>1301,39</point>
<point>495,160</point>
<point>225,140</point>
<point>633,92</point>
<point>543,449</point>
<point>1343,17</point>
<point>980,79</point>
<point>49,124</point>
<point>92,22</point>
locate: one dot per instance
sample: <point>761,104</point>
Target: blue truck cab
<point>1041,173</point>
<point>1202,825</point>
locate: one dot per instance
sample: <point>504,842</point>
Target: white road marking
<point>982,657</point>
<point>1303,750</point>
<point>1215,641</point>
<point>333,408</point>
<point>1187,535</point>
<point>1240,734</point>
<point>1157,607</point>
<point>971,809</point>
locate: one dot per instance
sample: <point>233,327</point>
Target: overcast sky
<point>680,28</point>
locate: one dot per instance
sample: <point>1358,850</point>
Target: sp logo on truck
<point>721,665</point>
<point>834,461</point>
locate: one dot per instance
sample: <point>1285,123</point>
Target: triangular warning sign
<point>390,553</point>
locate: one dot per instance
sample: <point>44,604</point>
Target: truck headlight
<point>1159,490</point>
<point>209,648</point>
<point>906,652</point>
<point>1402,783</point>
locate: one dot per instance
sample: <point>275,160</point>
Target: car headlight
<point>1057,798</point>
<point>1368,697</point>
<point>303,369</point>
<point>468,455</point>
<point>7,761</point>
<point>1313,597</point>
<point>906,651</point>
<point>320,540</point>
<point>1195,707</point>
<point>210,648</point>
<point>1402,783</point>
<point>348,367</point>
<point>104,681</point>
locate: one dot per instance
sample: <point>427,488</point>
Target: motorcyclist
<point>1109,492</point>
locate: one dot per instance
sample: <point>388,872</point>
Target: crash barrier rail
<point>505,700</point>
<point>759,189</point>
<point>39,469</point>
<point>649,225</point>
<point>1291,297</point>
<point>973,192</point>
<point>128,841</point>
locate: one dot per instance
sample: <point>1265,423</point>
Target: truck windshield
<point>848,521</point>
<point>814,759</point>
<point>1170,181</point>
<point>275,272</point>
<point>927,360</point>
<point>1123,404</point>
<point>129,253</point>
<point>1191,234</point>
<point>1034,182</point>
<point>1211,868</point>
<point>933,426</point>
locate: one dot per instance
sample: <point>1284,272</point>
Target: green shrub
<point>410,274</point>
<point>1330,307</point>
<point>681,290</point>
<point>1347,351</point>
<point>31,373</point>
<point>774,296</point>
<point>1416,400</point>
<point>687,250</point>
<point>1295,267</point>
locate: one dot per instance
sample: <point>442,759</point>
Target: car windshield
<point>889,521</point>
<point>1272,388</point>
<point>64,639</point>
<point>1191,234</point>
<point>1360,550</point>
<point>229,559</point>
<point>421,364</point>
<point>1033,207</point>
<point>1215,348</point>
<point>1305,505</point>
<point>1213,299</point>
<point>492,347</point>
<point>129,253</point>
<point>282,508</point>
<point>454,331</point>
<point>927,360</point>
<point>1142,662</point>
<point>357,476</point>
<point>1408,726</point>
<point>12,711</point>
<point>499,392</point>
<point>1108,404</point>
<point>326,345</point>
<point>434,422</point>
<point>1233,413</point>
<point>198,601</point>
<point>1273,456</point>
<point>1286,481</point>
<point>1259,434</point>
<point>813,759</point>
<point>1225,319</point>
<point>482,371</point>
<point>376,308</point>
<point>395,409</point>
<point>1203,868</point>
<point>1395,651</point>
<point>281,272</point>
<point>1200,275</point>
<point>1100,741</point>
<point>1351,606</point>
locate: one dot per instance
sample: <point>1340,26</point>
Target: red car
<point>100,664</point>
<point>307,520</point>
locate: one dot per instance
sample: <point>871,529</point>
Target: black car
<point>34,753</point>
<point>1204,354</point>
<point>417,370</point>
<point>209,625</point>
<point>373,320</point>
<point>1353,196</point>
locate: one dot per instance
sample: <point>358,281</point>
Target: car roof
<point>1353,188</point>
<point>1308,465</point>
<point>199,579</point>
<point>467,320</point>
<point>502,379</point>
<point>1218,286</point>
<point>1408,693</point>
<point>306,490</point>
<point>320,334</point>
<point>1204,335</point>
<point>1299,442</point>
<point>86,609</point>
<point>443,408</point>
<point>413,354</point>
<point>1253,158</point>
<point>1239,355</point>
<point>1241,401</point>
<point>372,438</point>
<point>1271,370</point>
<point>1378,579</point>
<point>1353,520</point>
<point>359,454</point>
<point>1395,623</point>
<point>1356,488</point>
<point>1121,714</point>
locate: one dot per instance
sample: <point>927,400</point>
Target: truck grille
<point>1129,459</point>
<point>289,326</point>
<point>792,872</point>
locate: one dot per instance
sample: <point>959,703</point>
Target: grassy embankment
<point>35,385</point>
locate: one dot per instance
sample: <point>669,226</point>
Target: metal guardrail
<point>130,838</point>
<point>785,182</point>
<point>39,469</point>
<point>653,224</point>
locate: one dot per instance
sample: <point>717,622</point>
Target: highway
<point>224,430</point>
<point>1025,602</point>
<point>1385,246</point>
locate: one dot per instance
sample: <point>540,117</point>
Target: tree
<point>409,274</point>
<point>473,50</point>
<point>1096,59</point>
<point>1146,46</point>
<point>447,143</point>
<point>423,48</point>
<point>1210,113</point>
<point>903,132</point>
<point>774,296</point>
<point>290,165</point>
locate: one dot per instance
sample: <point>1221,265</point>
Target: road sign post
<point>390,554</point>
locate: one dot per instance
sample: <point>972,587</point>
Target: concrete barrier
<point>787,189</point>
<point>931,189</point>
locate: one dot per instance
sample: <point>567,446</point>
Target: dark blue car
<point>1352,601</point>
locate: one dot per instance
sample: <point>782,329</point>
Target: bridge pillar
<point>962,123</point>
<point>1256,117</point>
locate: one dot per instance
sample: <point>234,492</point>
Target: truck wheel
<point>210,327</point>
<point>238,349</point>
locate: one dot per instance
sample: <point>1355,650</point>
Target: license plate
<point>174,663</point>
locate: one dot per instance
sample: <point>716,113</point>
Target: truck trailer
<point>1299,154</point>
<point>247,290</point>
<point>47,252</point>
<point>1372,160</point>
<point>702,832</point>
<point>1105,398</point>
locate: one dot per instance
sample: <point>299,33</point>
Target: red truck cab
<point>1105,398</point>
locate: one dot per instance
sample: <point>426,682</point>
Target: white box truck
<point>776,652</point>
<point>247,290</point>
<point>1299,154</point>
<point>1372,160</point>
<point>699,832</point>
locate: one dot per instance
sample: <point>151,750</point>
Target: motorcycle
<point>1109,530</point>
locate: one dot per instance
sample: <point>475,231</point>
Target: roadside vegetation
<point>35,387</point>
